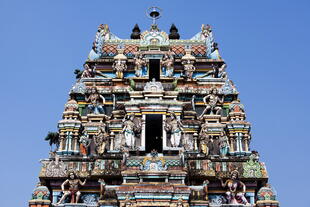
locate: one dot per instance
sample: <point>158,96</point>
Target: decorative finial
<point>154,13</point>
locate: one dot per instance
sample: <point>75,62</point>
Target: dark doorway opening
<point>153,133</point>
<point>154,69</point>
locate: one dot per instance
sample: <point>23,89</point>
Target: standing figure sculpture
<point>74,188</point>
<point>235,189</point>
<point>102,188</point>
<point>204,138</point>
<point>174,126</point>
<point>101,139</point>
<point>129,131</point>
<point>140,65</point>
<point>224,145</point>
<point>119,66</point>
<point>167,65</point>
<point>84,143</point>
<point>97,102</point>
<point>212,102</point>
<point>189,69</point>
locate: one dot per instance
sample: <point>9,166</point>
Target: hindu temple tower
<point>153,120</point>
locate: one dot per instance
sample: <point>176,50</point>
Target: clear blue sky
<point>265,44</point>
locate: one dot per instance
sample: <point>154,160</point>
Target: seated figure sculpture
<point>212,102</point>
<point>94,98</point>
<point>74,188</point>
<point>235,189</point>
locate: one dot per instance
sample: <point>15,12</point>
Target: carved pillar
<point>246,142</point>
<point>62,141</point>
<point>112,138</point>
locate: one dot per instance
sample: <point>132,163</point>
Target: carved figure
<point>204,138</point>
<point>101,139</point>
<point>130,130</point>
<point>56,168</point>
<point>74,188</point>
<point>119,66</point>
<point>167,65</point>
<point>90,72</point>
<point>97,102</point>
<point>212,102</point>
<point>224,144</point>
<point>189,69</point>
<point>84,143</point>
<point>235,189</point>
<point>140,65</point>
<point>174,126</point>
<point>205,189</point>
<point>102,188</point>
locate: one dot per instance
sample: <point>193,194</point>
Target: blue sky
<point>265,44</point>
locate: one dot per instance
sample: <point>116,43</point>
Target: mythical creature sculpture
<point>74,188</point>
<point>102,35</point>
<point>97,102</point>
<point>167,65</point>
<point>189,69</point>
<point>140,65</point>
<point>205,31</point>
<point>132,127</point>
<point>212,102</point>
<point>119,66</point>
<point>235,189</point>
<point>101,139</point>
<point>84,143</point>
<point>174,126</point>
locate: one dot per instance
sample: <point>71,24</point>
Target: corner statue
<point>74,190</point>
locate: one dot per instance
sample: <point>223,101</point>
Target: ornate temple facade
<point>153,120</point>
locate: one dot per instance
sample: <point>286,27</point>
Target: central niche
<point>153,132</point>
<point>154,69</point>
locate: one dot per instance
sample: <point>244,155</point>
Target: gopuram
<point>153,120</point>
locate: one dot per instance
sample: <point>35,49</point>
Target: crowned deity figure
<point>174,126</point>
<point>74,188</point>
<point>224,145</point>
<point>101,139</point>
<point>235,189</point>
<point>130,130</point>
<point>84,143</point>
<point>213,103</point>
<point>167,65</point>
<point>119,66</point>
<point>140,65</point>
<point>97,102</point>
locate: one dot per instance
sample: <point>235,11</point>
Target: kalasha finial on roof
<point>136,32</point>
<point>174,34</point>
<point>154,13</point>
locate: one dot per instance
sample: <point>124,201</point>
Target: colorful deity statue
<point>74,188</point>
<point>213,103</point>
<point>224,145</point>
<point>119,66</point>
<point>140,65</point>
<point>235,189</point>
<point>84,143</point>
<point>130,130</point>
<point>174,126</point>
<point>167,65</point>
<point>90,72</point>
<point>101,139</point>
<point>97,102</point>
<point>204,138</point>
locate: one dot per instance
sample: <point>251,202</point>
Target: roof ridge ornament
<point>153,13</point>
